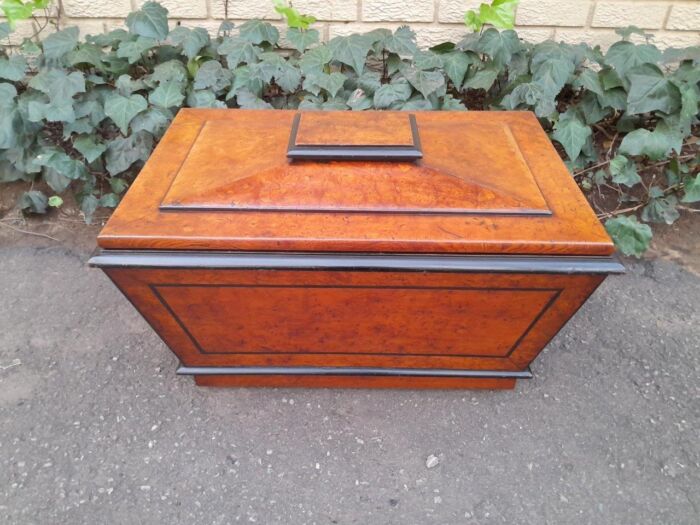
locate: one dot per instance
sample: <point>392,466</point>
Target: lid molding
<point>332,150</point>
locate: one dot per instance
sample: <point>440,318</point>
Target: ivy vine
<point>84,114</point>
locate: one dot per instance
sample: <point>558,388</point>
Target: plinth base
<point>309,377</point>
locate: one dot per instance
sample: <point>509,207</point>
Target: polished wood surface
<point>350,128</point>
<point>488,183</point>
<point>467,321</point>
<point>438,383</point>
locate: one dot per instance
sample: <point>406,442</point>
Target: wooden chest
<point>342,249</point>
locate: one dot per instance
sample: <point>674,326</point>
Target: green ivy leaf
<point>691,186</point>
<point>450,103</point>
<point>426,82</point>
<point>456,64</point>
<point>288,77</point>
<point>482,79</point>
<point>133,50</point>
<point>123,152</point>
<point>623,56</point>
<point>248,100</point>
<point>88,205</point>
<point>192,41</point>
<point>690,106</point>
<point>427,60</point>
<point>257,32</point>
<point>359,101</point>
<point>388,94</point>
<point>351,50</point>
<point>626,32</point>
<point>203,98</point>
<point>5,30</point>
<point>624,171</point>
<point>651,91</point>
<point>123,109</point>
<point>238,51</point>
<point>58,44</point>
<point>332,83</point>
<point>655,145</point>
<point>661,209</point>
<point>126,85</point>
<point>500,14</point>
<point>630,236</point>
<point>151,21</point>
<point>295,20</point>
<point>589,80</point>
<point>55,201</point>
<point>88,54</point>
<point>33,201</point>
<point>591,110</point>
<point>315,59</point>
<point>154,120</point>
<point>369,82</point>
<point>415,103</point>
<point>402,42</point>
<point>572,133</point>
<point>552,75</point>
<point>58,161</point>
<point>212,75</point>
<point>52,111</point>
<point>58,85</point>
<point>109,200</point>
<point>500,46</point>
<point>614,98</point>
<point>88,148</point>
<point>56,181</point>
<point>170,71</point>
<point>13,68</point>
<point>118,185</point>
<point>300,39</point>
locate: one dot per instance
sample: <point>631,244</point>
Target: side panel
<point>339,318</point>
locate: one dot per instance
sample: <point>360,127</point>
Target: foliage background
<point>85,114</point>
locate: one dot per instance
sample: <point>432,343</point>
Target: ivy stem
<point>26,232</point>
<point>614,213</point>
<point>643,168</point>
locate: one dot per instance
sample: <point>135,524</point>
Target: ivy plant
<point>83,114</point>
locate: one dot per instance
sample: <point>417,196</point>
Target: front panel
<point>398,319</point>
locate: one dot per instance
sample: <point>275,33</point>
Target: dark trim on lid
<point>336,152</point>
<point>357,262</point>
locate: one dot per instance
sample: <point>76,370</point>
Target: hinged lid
<point>442,182</point>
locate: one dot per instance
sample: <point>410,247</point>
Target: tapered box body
<point>376,249</point>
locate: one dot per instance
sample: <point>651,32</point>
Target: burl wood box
<point>343,249</point>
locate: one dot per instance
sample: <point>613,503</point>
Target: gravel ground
<point>96,428</point>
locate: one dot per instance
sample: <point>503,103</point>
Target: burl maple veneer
<point>342,249</point>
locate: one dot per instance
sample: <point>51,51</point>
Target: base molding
<point>310,377</point>
<point>373,382</point>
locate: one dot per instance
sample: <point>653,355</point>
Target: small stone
<point>432,461</point>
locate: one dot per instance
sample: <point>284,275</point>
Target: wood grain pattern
<point>479,188</point>
<point>349,128</point>
<point>470,321</point>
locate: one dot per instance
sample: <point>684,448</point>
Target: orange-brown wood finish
<point>240,258</point>
<point>488,183</point>
<point>354,319</point>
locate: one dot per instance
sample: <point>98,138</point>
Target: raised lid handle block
<point>346,135</point>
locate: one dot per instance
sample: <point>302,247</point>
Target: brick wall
<point>674,23</point>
